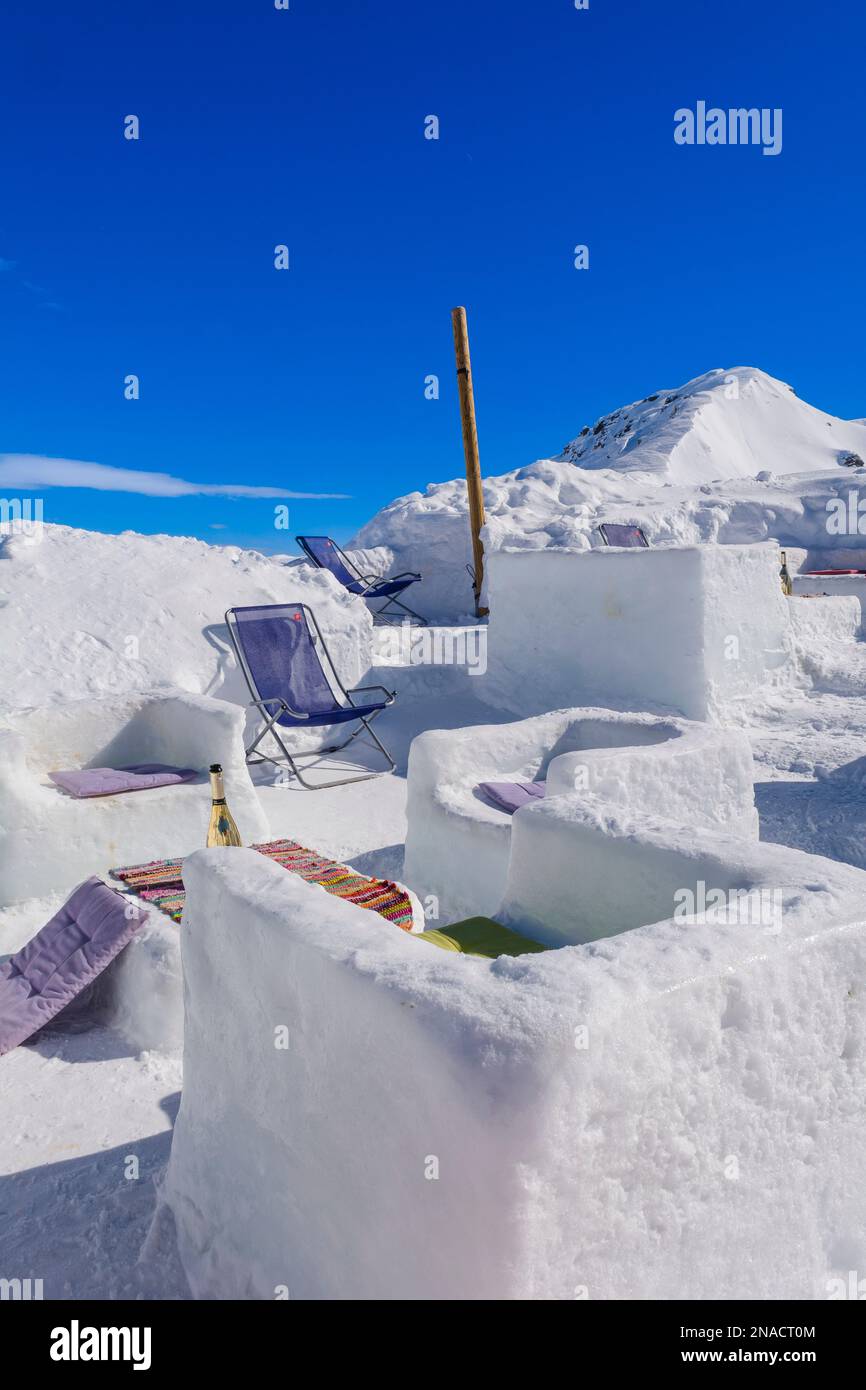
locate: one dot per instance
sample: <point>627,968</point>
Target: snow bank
<point>85,614</point>
<point>49,841</point>
<point>732,457</point>
<point>698,631</point>
<point>457,845</point>
<point>644,1118</point>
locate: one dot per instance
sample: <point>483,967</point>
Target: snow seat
<point>49,841</point>
<point>581,870</point>
<point>457,843</point>
<point>644,1117</point>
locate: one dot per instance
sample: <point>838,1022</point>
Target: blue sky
<point>306,127</point>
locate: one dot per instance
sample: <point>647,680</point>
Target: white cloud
<point>26,471</point>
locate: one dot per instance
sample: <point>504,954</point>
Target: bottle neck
<point>217,789</point>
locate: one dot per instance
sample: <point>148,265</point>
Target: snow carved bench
<point>458,846</point>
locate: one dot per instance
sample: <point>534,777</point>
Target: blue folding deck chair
<point>286,664</point>
<point>627,537</point>
<point>327,555</point>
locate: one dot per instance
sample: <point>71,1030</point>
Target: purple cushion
<point>510,796</point>
<point>107,781</point>
<point>91,928</point>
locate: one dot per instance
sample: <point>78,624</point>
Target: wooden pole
<point>470,449</point>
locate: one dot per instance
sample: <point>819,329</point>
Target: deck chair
<point>294,685</point>
<point>629,537</point>
<point>327,555</point>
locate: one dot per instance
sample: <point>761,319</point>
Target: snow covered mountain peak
<point>732,457</point>
<point>729,423</point>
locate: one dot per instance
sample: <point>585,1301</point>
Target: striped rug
<point>161,882</point>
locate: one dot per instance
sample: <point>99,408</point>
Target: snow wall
<point>697,631</point>
<point>84,614</point>
<point>458,845</point>
<point>676,1112</point>
<point>637,868</point>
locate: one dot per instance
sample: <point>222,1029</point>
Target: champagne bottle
<point>787,582</point>
<point>222,829</point>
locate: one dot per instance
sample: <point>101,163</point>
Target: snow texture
<point>698,631</point>
<point>627,869</point>
<point>458,845</point>
<point>677,1111</point>
<point>85,615</point>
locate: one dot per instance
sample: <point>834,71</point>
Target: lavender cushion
<point>107,781</point>
<point>91,928</point>
<point>510,796</point>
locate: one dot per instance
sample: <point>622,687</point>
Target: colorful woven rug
<point>161,882</point>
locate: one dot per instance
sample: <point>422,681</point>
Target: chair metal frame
<point>271,725</point>
<point>644,543</point>
<point>370,582</point>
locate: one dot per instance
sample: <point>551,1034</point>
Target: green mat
<point>480,936</point>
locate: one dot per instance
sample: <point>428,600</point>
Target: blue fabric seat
<point>294,684</point>
<point>327,555</point>
<point>339,716</point>
<point>383,590</point>
<point>626,537</point>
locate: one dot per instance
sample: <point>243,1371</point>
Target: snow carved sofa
<point>458,845</point>
<point>643,1117</point>
<point>49,841</point>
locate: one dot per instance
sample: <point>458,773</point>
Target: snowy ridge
<point>725,424</point>
<point>731,457</point>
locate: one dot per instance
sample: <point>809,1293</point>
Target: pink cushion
<point>108,781</point>
<point>510,796</point>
